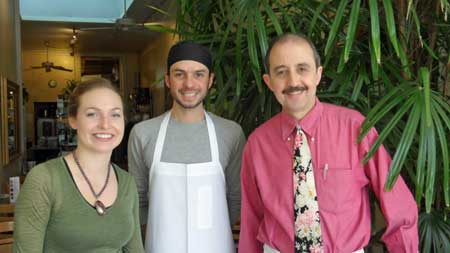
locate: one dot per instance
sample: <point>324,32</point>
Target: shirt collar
<point>308,123</point>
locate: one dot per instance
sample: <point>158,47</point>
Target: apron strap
<point>160,139</point>
<point>214,147</point>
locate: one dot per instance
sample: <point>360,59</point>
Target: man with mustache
<point>187,163</point>
<point>304,187</point>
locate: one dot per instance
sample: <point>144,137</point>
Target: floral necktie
<point>308,235</point>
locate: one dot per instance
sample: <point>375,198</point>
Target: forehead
<point>101,98</point>
<point>292,51</point>
<point>188,65</point>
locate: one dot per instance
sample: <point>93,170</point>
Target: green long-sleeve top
<point>51,215</point>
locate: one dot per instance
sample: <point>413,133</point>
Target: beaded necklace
<point>99,206</point>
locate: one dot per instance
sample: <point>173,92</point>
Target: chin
<point>103,151</point>
<point>189,105</point>
<point>105,148</point>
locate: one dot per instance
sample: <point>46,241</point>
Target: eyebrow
<point>279,67</point>
<point>98,109</point>
<point>303,64</point>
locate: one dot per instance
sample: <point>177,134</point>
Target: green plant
<point>389,59</point>
<point>70,86</point>
<point>434,232</point>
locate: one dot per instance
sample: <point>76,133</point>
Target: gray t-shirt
<point>187,143</point>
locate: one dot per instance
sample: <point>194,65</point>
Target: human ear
<point>266,78</point>
<point>167,80</point>
<point>319,75</point>
<point>211,80</point>
<point>73,122</point>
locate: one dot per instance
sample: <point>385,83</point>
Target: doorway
<point>101,66</point>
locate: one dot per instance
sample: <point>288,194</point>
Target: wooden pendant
<point>100,207</point>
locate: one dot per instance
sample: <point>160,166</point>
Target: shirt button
<point>312,138</point>
<point>289,139</point>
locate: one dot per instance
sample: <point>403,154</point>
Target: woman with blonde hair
<point>82,202</point>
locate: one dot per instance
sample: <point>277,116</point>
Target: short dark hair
<point>287,37</point>
<point>85,87</point>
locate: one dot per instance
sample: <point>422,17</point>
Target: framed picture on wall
<point>10,126</point>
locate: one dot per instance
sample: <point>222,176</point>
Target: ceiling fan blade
<point>97,28</point>
<point>61,68</point>
<point>37,67</point>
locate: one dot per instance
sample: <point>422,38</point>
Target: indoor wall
<point>36,80</point>
<point>10,69</point>
<point>153,67</point>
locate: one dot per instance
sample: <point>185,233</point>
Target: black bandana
<point>189,50</point>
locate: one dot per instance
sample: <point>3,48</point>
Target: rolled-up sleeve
<point>398,205</point>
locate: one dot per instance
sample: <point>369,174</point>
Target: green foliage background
<point>388,59</point>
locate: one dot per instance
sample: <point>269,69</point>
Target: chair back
<point>6,227</point>
<point>7,212</point>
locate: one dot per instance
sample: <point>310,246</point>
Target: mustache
<point>294,89</point>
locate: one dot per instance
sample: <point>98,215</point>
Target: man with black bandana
<point>187,163</point>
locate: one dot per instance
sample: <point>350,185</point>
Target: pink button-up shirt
<point>342,185</point>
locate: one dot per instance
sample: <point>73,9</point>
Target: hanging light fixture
<point>73,41</point>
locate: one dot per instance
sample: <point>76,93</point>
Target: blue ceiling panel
<point>90,11</point>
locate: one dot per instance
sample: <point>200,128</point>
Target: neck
<point>296,115</point>
<point>188,115</point>
<point>92,162</point>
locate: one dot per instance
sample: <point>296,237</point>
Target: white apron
<point>188,211</point>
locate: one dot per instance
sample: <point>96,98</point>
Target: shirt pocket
<point>335,188</point>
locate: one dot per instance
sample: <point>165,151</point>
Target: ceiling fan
<point>121,24</point>
<point>47,65</point>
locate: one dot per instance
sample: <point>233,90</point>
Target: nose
<point>294,79</point>
<point>104,122</point>
<point>189,81</point>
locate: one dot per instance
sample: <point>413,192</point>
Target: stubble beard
<point>188,106</point>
